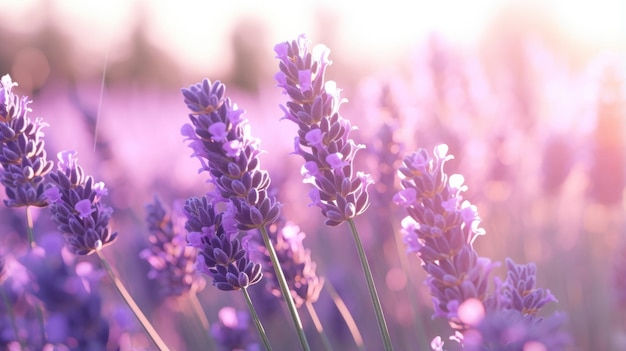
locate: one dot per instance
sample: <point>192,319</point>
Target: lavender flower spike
<point>220,138</point>
<point>520,291</point>
<point>169,256</point>
<point>299,269</point>
<point>324,136</point>
<point>22,152</point>
<point>440,229</point>
<point>232,332</point>
<point>220,254</point>
<point>76,207</point>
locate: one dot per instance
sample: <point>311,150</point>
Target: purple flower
<point>76,207</point>
<point>171,259</point>
<point>22,153</point>
<point>69,292</point>
<point>323,136</point>
<point>510,330</point>
<point>232,332</point>
<point>221,255</point>
<point>221,141</point>
<point>295,260</point>
<point>440,230</point>
<point>520,291</point>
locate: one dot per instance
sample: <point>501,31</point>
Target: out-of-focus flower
<point>220,138</point>
<point>232,332</point>
<point>22,152</point>
<point>324,136</point>
<point>169,256</point>
<point>221,255</point>
<point>520,289</point>
<point>70,295</point>
<point>510,330</point>
<point>76,208</point>
<point>295,260</point>
<point>441,229</point>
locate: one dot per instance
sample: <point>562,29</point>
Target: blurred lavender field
<point>535,119</point>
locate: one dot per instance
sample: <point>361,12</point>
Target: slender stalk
<point>32,245</point>
<point>29,228</point>
<point>372,288</point>
<point>285,290</point>
<point>7,303</point>
<point>345,313</point>
<point>152,333</point>
<point>257,321</point>
<point>318,325</point>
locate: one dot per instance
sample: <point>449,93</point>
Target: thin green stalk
<point>7,303</point>
<point>318,325</point>
<point>372,288</point>
<point>32,245</point>
<point>345,313</point>
<point>29,228</point>
<point>145,323</point>
<point>257,321</point>
<point>282,282</point>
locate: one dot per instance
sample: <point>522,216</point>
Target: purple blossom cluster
<point>441,228</point>
<point>69,293</point>
<point>171,259</point>
<point>221,255</point>
<point>323,138</point>
<point>74,201</point>
<point>232,331</point>
<point>22,154</point>
<point>220,138</point>
<point>299,269</point>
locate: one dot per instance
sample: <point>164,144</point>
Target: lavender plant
<point>221,140</point>
<point>221,255</point>
<point>171,259</point>
<point>23,157</point>
<point>232,331</point>
<point>324,142</point>
<point>70,294</point>
<point>76,207</point>
<point>441,228</point>
<point>304,284</point>
<point>74,201</point>
<point>172,263</point>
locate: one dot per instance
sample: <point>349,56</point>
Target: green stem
<point>318,325</point>
<point>7,303</point>
<point>345,313</point>
<point>257,321</point>
<point>372,288</point>
<point>29,228</point>
<point>32,245</point>
<point>154,336</point>
<point>282,282</point>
